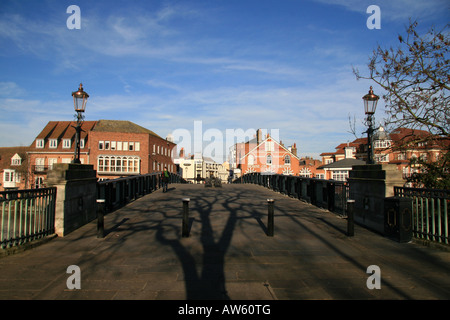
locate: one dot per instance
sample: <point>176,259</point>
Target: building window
<point>340,175</point>
<point>287,159</point>
<point>119,145</point>
<point>52,161</point>
<point>40,162</point>
<point>119,164</point>
<point>39,182</point>
<point>137,146</point>
<point>107,145</point>
<point>269,160</point>
<point>53,143</point>
<point>16,160</point>
<point>125,146</point>
<point>131,146</point>
<point>10,177</point>
<point>101,145</point>
<point>113,145</point>
<point>382,143</point>
<point>381,158</point>
<point>39,143</point>
<point>66,143</point>
<point>81,143</point>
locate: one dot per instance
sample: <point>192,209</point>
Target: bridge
<point>227,255</point>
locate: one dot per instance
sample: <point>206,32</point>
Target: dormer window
<point>39,143</point>
<point>16,160</point>
<point>53,143</point>
<point>67,143</point>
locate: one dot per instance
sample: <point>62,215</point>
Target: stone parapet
<point>76,195</point>
<point>369,186</point>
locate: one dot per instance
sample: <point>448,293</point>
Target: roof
<point>62,130</point>
<point>66,130</point>
<point>6,153</point>
<point>345,163</point>
<point>121,126</point>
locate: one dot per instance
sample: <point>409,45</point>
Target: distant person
<point>165,177</point>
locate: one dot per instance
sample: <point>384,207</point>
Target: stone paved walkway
<point>227,255</point>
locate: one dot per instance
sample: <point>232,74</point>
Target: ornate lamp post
<point>79,101</point>
<point>370,105</point>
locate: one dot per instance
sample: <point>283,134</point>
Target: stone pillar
<point>369,186</point>
<point>76,195</point>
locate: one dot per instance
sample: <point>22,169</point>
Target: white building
<point>196,168</point>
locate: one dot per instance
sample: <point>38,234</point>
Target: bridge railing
<point>430,209</point>
<point>118,192</point>
<point>329,194</point>
<point>26,215</point>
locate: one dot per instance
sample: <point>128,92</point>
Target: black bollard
<point>185,226</point>
<point>350,218</point>
<point>270,225</point>
<point>100,218</point>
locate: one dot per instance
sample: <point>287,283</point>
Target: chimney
<point>258,136</point>
<point>182,153</point>
<point>294,149</point>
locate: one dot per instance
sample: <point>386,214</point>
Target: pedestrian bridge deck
<point>228,254</point>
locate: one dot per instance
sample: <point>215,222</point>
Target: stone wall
<point>369,186</point>
<point>75,196</point>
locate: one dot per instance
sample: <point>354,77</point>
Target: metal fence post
<point>100,218</point>
<point>185,226</point>
<point>350,218</point>
<point>270,225</point>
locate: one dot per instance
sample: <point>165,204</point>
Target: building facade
<point>196,168</point>
<point>13,168</point>
<point>266,155</point>
<point>398,147</point>
<point>115,148</point>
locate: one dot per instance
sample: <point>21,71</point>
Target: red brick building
<point>397,147</point>
<point>266,155</point>
<point>115,148</point>
<point>13,168</point>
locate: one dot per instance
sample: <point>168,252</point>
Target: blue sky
<point>230,64</point>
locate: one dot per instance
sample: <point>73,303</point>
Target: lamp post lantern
<point>370,105</point>
<point>79,101</point>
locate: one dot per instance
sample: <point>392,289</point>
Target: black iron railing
<point>118,192</point>
<point>328,194</point>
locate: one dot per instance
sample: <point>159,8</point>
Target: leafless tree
<point>415,77</point>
